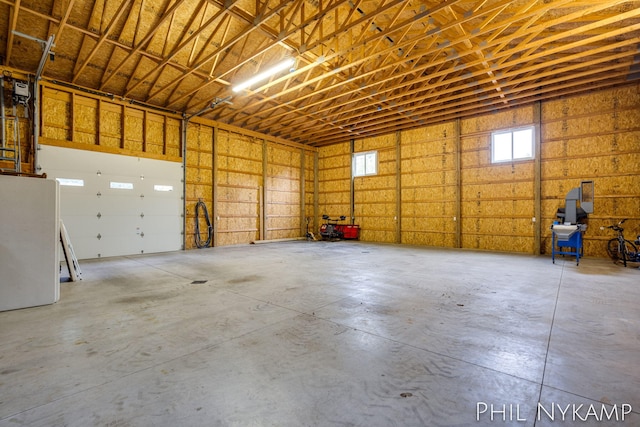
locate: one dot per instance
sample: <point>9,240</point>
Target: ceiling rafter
<point>433,107</point>
<point>13,22</point>
<point>105,34</point>
<point>281,37</point>
<point>174,52</point>
<point>540,66</point>
<point>534,81</point>
<point>472,108</point>
<point>302,54</point>
<point>345,27</point>
<point>495,55</point>
<point>60,26</point>
<point>423,15</point>
<point>167,14</point>
<point>195,41</point>
<point>216,52</point>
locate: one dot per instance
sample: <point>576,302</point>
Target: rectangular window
<point>71,182</point>
<point>158,187</point>
<point>514,144</point>
<point>121,185</point>
<point>365,163</point>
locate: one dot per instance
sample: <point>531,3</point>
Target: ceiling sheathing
<point>363,67</point>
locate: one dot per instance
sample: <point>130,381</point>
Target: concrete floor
<point>328,334</point>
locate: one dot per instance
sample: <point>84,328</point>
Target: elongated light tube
<point>286,64</point>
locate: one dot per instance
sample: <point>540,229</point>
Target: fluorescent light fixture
<point>71,182</point>
<point>284,65</point>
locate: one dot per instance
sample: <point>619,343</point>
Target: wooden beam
<point>105,34</point>
<point>13,22</point>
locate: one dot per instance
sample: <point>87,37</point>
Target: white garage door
<point>116,205</point>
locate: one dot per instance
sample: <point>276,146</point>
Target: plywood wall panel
<point>592,137</point>
<point>283,190</point>
<point>78,119</point>
<point>497,200</point>
<point>310,196</point>
<point>375,197</point>
<point>85,120</point>
<point>428,185</point>
<point>134,137</point>
<point>154,133</point>
<point>172,137</point>
<point>56,114</point>
<point>198,174</point>
<point>334,181</point>
<point>110,122</point>
<point>239,179</point>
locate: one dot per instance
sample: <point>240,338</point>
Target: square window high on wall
<point>512,144</point>
<point>365,163</point>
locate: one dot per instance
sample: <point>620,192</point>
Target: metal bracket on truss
<point>46,47</point>
<point>214,103</point>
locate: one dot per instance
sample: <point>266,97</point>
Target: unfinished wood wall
<point>497,206</point>
<point>258,189</point>
<point>593,137</point>
<point>310,201</point>
<point>450,194</point>
<point>88,121</point>
<point>283,192</point>
<point>199,180</point>
<point>254,188</point>
<point>239,174</point>
<point>428,176</point>
<point>334,181</point>
<point>375,208</point>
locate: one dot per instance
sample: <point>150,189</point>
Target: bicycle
<point>619,248</point>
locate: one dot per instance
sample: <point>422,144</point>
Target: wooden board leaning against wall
<point>448,193</point>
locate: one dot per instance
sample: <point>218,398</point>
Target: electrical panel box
<point>20,93</point>
<point>20,89</point>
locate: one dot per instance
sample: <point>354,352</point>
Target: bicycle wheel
<point>630,253</point>
<point>613,249</point>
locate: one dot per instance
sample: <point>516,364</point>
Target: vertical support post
<point>214,186</point>
<point>144,130</point>
<point>72,115</point>
<point>398,187</point>
<point>123,126</point>
<point>36,124</point>
<point>303,182</point>
<point>98,121</point>
<point>183,142</point>
<point>263,196</point>
<point>458,161</point>
<point>261,232</point>
<point>3,122</point>
<point>537,184</point>
<point>352,197</point>
<point>316,192</point>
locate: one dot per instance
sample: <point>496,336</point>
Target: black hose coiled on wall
<point>199,243</point>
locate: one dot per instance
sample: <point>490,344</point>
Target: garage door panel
<point>104,221</point>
